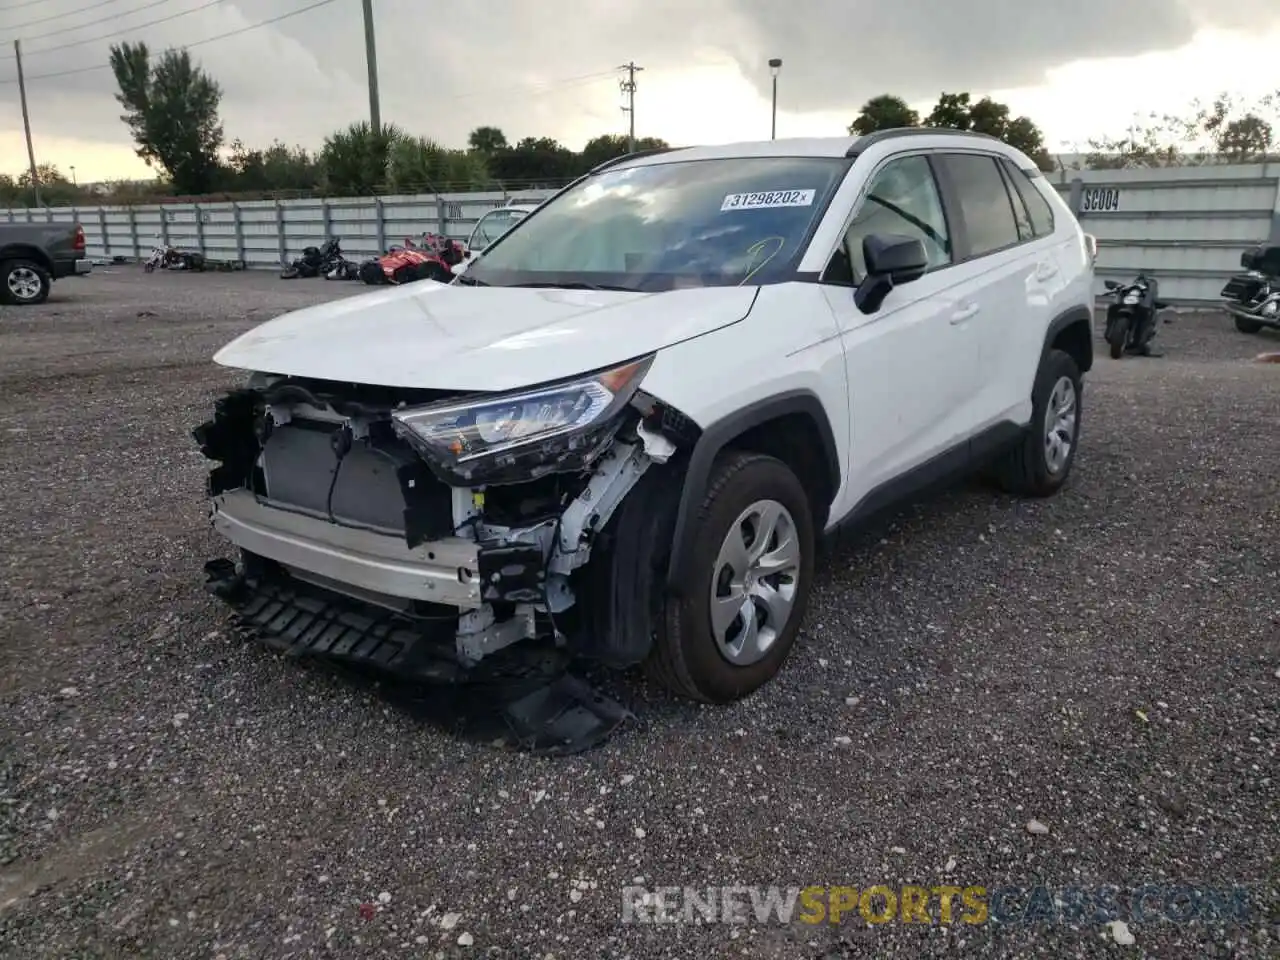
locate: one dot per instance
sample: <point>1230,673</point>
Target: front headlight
<point>514,437</point>
<point>1131,298</point>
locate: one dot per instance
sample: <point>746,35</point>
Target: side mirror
<point>1111,284</point>
<point>891,259</point>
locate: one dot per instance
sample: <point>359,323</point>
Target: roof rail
<point>871,139</point>
<point>630,156</point>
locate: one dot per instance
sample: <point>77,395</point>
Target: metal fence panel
<point>1185,225</point>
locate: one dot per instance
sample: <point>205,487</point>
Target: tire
<point>1027,470</point>
<point>148,268</point>
<point>1247,326</point>
<point>687,658</point>
<point>434,271</point>
<point>24,283</point>
<point>1117,334</point>
<point>289,273</point>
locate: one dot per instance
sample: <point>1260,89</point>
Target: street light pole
<point>775,67</point>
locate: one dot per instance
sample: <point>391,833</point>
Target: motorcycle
<point>315,261</point>
<point>1252,298</point>
<point>165,257</point>
<point>1132,314</point>
<point>343,269</point>
<point>434,260</point>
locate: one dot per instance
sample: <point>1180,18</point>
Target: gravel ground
<point>1106,663</point>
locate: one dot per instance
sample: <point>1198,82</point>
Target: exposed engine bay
<point>431,514</point>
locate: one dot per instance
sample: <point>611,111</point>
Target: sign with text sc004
<point>1100,199</point>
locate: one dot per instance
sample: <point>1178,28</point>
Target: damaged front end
<point>463,539</point>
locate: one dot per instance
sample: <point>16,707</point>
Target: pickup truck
<point>33,255</point>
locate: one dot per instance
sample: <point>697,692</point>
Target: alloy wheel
<point>1060,425</point>
<point>755,582</point>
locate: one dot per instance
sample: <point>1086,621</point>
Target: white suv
<point>619,433</point>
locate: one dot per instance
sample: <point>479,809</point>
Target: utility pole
<point>628,86</point>
<point>371,61</point>
<point>26,121</point>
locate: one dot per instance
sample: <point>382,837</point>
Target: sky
<point>1078,70</point>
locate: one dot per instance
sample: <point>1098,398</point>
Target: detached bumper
<point>439,571</point>
<point>72,268</point>
<point>1242,314</point>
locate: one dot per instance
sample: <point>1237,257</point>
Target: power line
<point>68,13</point>
<point>196,43</point>
<point>117,33</point>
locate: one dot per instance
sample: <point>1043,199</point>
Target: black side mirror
<point>1111,284</point>
<point>891,259</point>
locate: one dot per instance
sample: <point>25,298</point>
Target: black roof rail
<point>630,156</point>
<point>871,139</point>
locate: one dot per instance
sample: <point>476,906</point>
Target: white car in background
<point>495,223</point>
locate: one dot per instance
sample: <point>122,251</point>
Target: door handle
<point>1046,271</point>
<point>964,313</point>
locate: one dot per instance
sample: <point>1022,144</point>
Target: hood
<point>453,337</point>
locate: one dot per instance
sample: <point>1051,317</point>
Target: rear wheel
<point>1247,326</point>
<point>24,282</point>
<point>735,625</point>
<point>1041,462</point>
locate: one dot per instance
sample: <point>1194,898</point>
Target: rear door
<point>1014,271</point>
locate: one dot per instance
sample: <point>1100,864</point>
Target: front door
<point>913,364</point>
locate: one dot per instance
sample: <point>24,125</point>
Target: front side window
<point>663,226</point>
<point>984,202</point>
<point>902,199</point>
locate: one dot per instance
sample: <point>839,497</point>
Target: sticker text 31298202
<point>766,199</point>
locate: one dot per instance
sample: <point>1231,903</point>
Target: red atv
<point>433,259</point>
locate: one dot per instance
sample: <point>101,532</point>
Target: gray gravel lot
<point>168,791</point>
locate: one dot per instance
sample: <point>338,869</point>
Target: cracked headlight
<point>511,437</point>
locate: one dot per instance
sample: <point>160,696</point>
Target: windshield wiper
<point>576,285</point>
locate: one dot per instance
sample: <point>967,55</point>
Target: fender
<point>1069,317</point>
<point>716,438</point>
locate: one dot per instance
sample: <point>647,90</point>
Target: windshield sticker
<point>767,200</point>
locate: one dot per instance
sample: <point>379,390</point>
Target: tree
<point>419,165</point>
<point>956,111</point>
<point>536,161</point>
<point>885,112</point>
<point>1226,131</point>
<point>951,111</point>
<point>610,146</point>
<point>172,113</point>
<point>355,160</point>
<point>487,140</point>
<point>277,168</point>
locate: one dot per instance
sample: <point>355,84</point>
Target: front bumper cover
<point>529,699</point>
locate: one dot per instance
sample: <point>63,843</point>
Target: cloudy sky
<point>1078,69</point>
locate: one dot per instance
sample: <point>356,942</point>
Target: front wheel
<point>1041,462</point>
<point>1116,335</point>
<point>731,631</point>
<point>24,283</point>
<point>1247,326</point>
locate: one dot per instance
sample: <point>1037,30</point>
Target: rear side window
<point>984,202</point>
<point>1037,207</point>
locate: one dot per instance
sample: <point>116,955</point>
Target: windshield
<point>670,225</point>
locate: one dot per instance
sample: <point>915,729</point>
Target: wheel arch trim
<point>718,436</point>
